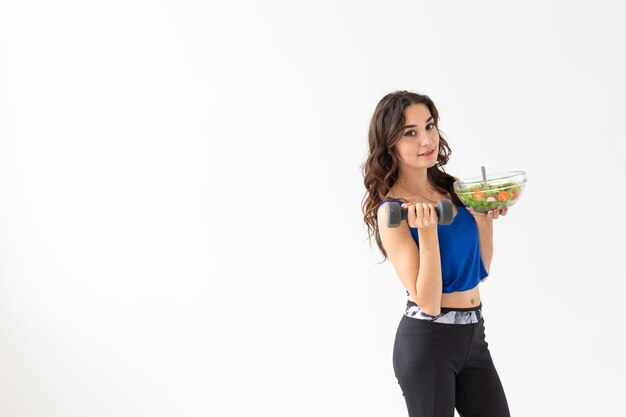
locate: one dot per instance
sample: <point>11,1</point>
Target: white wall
<point>180,222</point>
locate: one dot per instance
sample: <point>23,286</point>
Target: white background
<point>180,206</point>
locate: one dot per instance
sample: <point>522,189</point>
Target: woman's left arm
<point>484,221</point>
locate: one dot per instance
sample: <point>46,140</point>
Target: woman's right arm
<point>419,268</point>
<point>429,280</point>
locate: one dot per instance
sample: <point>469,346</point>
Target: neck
<point>414,181</point>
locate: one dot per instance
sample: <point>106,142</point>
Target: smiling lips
<point>427,153</point>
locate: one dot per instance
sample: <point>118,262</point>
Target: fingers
<point>433,214</point>
<point>426,214</point>
<point>497,213</point>
<point>421,215</point>
<point>491,214</point>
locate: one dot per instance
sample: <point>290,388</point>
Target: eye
<point>429,126</point>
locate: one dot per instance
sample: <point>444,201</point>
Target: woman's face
<point>419,135</point>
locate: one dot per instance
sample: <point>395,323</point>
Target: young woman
<point>440,356</point>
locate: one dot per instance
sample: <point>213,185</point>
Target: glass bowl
<point>503,190</point>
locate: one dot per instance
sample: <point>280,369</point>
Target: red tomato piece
<point>503,196</point>
<point>478,194</point>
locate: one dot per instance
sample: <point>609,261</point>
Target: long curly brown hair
<point>380,170</point>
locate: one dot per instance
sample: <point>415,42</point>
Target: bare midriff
<point>459,299</point>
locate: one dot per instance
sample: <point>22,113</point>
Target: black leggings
<point>444,363</point>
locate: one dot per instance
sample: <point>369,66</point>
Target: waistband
<point>448,315</point>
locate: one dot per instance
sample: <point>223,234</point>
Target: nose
<point>427,141</point>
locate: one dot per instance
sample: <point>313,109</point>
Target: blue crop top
<point>462,267</point>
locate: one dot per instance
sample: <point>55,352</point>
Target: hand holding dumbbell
<point>420,214</point>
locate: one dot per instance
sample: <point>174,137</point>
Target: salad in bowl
<point>500,190</point>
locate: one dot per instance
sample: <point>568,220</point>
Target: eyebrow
<point>429,119</point>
